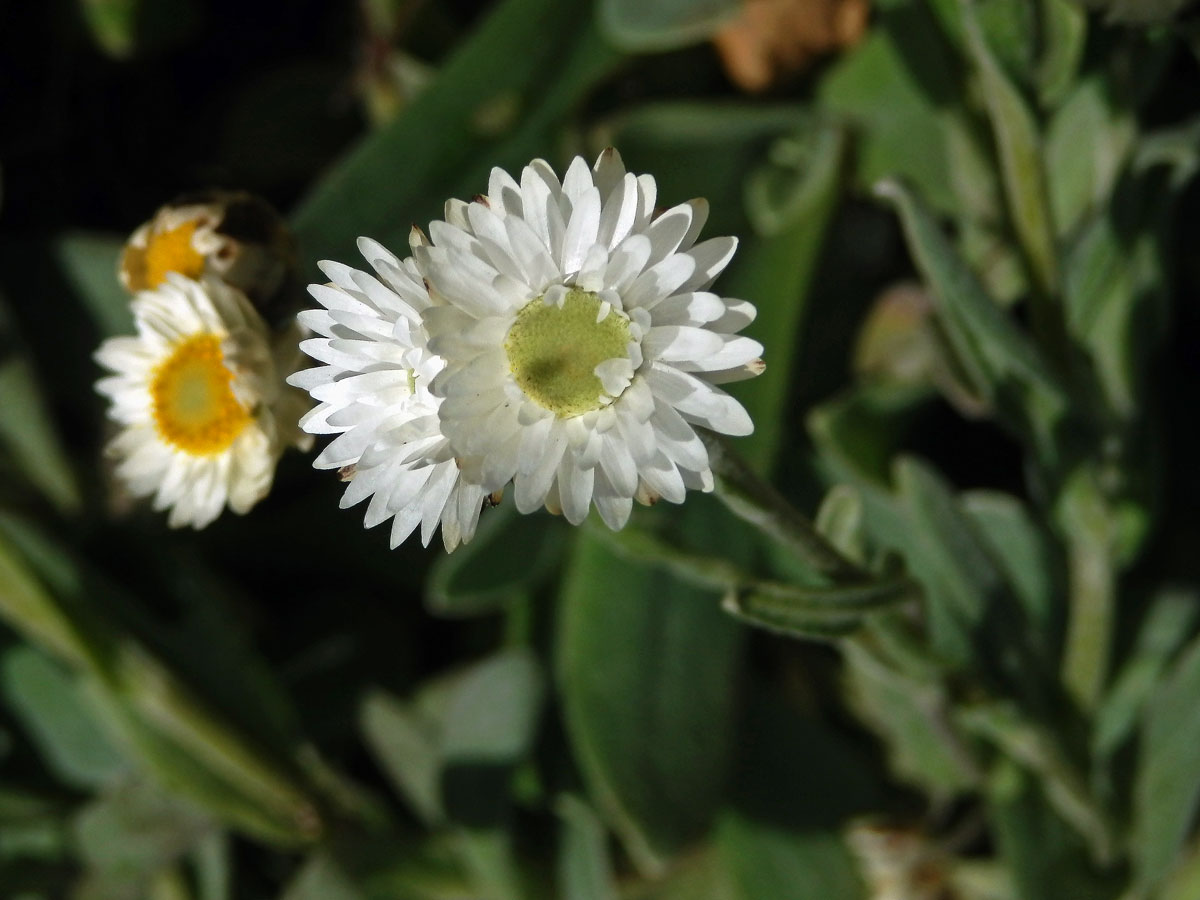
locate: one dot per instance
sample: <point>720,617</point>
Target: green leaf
<point>321,878</point>
<point>769,862</point>
<point>162,723</point>
<point>705,148</point>
<point>798,179</point>
<point>585,870</point>
<point>962,580</point>
<point>27,605</point>
<point>28,433</point>
<point>1167,625</point>
<point>914,719</point>
<point>776,273</point>
<point>1138,12</point>
<point>213,863</point>
<point>47,700</point>
<point>453,752</point>
<point>1184,883</point>
<point>27,430</point>
<point>664,25</point>
<point>840,520</point>
<point>113,24</point>
<point>486,574</point>
<point>538,56</point>
<point>999,360</point>
<point>898,90</point>
<point>1024,552</point>
<point>1019,149</point>
<point>647,671</point>
<point>860,430</point>
<point>90,263</point>
<point>1064,36</point>
<point>1041,856</point>
<point>1088,141</point>
<point>184,747</point>
<point>1038,748</point>
<point>405,743</point>
<point>701,875</point>
<point>488,727</point>
<point>1167,784</point>
<point>136,830</point>
<point>1117,277</point>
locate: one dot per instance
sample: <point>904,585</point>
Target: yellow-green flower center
<point>553,351</point>
<point>194,405</point>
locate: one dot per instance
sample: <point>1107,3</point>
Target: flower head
<point>233,236</point>
<point>201,407</point>
<point>582,346</point>
<point>373,391</point>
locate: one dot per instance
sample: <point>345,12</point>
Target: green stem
<point>753,500</point>
<point>822,611</point>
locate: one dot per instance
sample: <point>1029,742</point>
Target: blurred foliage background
<point>969,227</point>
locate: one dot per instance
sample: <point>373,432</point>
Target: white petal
<point>711,258</point>
<point>574,490</point>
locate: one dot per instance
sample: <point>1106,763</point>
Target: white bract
<point>204,414</point>
<point>582,346</point>
<point>373,391</point>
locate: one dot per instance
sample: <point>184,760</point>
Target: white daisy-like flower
<point>204,412</point>
<point>373,391</point>
<point>582,345</point>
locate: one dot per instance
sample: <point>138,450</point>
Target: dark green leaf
<point>486,574</point>
<point>706,149</point>
<point>27,430</point>
<point>90,263</point>
<point>775,272</point>
<point>529,54</point>
<point>1167,785</point>
<point>1167,625</point>
<point>1025,553</point>
<point>647,674</point>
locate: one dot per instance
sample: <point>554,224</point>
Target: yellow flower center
<point>553,351</point>
<point>167,251</point>
<point>195,409</point>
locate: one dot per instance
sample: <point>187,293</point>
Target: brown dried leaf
<point>772,39</point>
